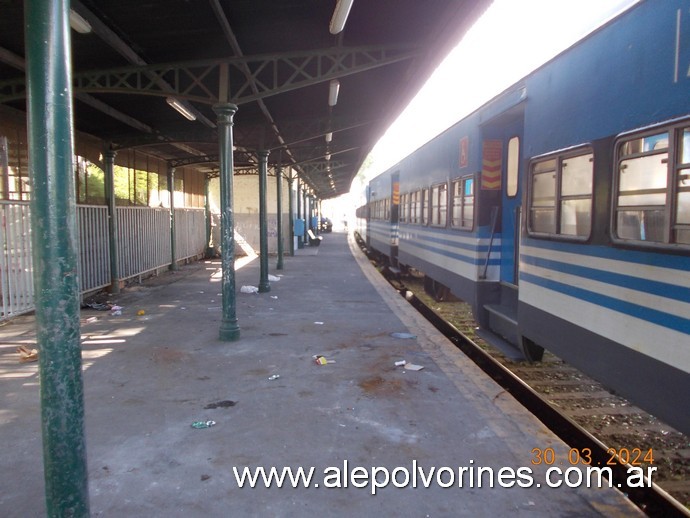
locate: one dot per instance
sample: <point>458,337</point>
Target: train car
<point>560,210</point>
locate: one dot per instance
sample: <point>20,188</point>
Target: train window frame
<point>424,209</point>
<point>462,183</point>
<point>414,202</point>
<point>560,161</point>
<point>675,160</point>
<point>439,209</point>
<point>404,208</point>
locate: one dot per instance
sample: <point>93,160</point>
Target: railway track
<point>575,407</point>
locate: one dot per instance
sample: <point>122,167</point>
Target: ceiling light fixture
<point>333,89</point>
<point>181,108</point>
<point>78,23</point>
<point>340,14</point>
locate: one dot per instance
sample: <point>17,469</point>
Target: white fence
<point>190,233</point>
<point>94,247</point>
<point>143,246</point>
<point>16,281</point>
<point>144,239</point>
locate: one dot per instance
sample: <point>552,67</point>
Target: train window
<point>682,226</point>
<point>439,204</point>
<point>423,209</point>
<point>576,195</point>
<point>543,206</point>
<point>513,166</point>
<point>414,207</point>
<point>561,195</point>
<point>462,203</point>
<point>652,203</point>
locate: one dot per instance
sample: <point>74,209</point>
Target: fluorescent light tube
<point>181,108</point>
<point>340,14</point>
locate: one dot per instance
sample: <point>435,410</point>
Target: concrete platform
<point>147,378</point>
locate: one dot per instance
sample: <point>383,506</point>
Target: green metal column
<point>317,214</point>
<point>109,159</point>
<point>264,285</point>
<point>173,239</point>
<point>291,215</point>
<point>279,215</point>
<point>229,328</point>
<point>54,243</point>
<point>307,216</point>
<point>300,238</point>
<point>207,212</point>
<point>305,204</point>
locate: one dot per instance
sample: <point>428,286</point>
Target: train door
<point>395,217</point>
<point>501,171</point>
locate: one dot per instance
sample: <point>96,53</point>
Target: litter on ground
<point>26,354</point>
<point>321,360</point>
<point>403,335</point>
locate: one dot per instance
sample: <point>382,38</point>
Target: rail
<point>652,499</point>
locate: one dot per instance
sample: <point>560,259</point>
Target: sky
<point>511,39</point>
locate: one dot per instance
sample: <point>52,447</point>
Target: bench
<point>314,240</point>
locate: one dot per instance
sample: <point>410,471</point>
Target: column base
<point>264,288</point>
<point>229,332</point>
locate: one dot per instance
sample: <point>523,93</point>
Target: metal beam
<point>271,74</point>
<point>19,63</point>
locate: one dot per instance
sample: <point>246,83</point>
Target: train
<point>560,210</point>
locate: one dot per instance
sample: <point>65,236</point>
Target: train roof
<point>516,88</point>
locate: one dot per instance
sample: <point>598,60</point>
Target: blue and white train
<point>560,210</point>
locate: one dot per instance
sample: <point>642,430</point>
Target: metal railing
<point>190,233</point>
<point>143,246</point>
<point>144,240</point>
<point>94,247</point>
<point>16,267</point>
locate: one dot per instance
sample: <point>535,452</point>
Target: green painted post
<point>300,243</point>
<point>307,217</point>
<point>264,286</point>
<point>291,215</point>
<point>279,215</point>
<point>207,211</point>
<point>229,328</point>
<point>54,243</point>
<point>173,226</point>
<point>109,158</point>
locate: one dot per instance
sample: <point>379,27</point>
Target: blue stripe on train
<point>662,289</point>
<point>452,255</point>
<point>660,259</point>
<point>427,236</point>
<point>627,308</point>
